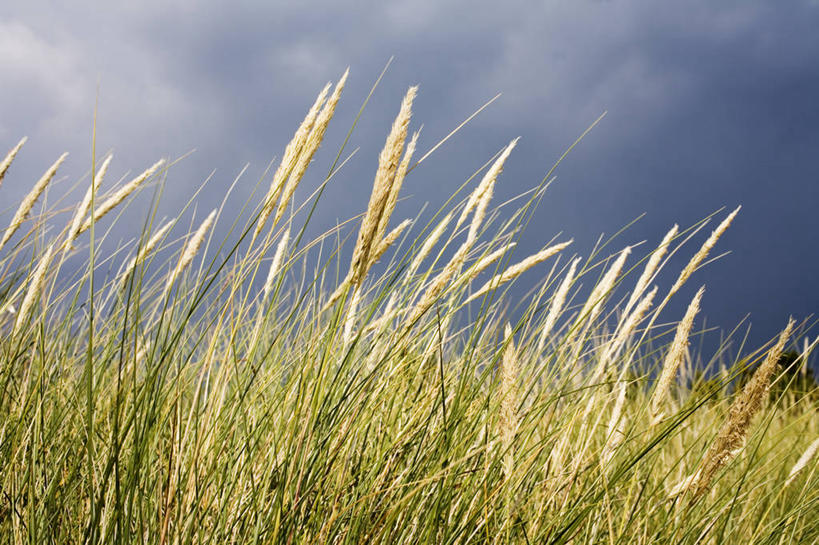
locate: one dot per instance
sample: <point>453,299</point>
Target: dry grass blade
<point>28,201</point>
<point>6,163</point>
<point>614,435</point>
<point>440,283</point>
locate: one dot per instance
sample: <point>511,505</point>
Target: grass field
<point>379,384</point>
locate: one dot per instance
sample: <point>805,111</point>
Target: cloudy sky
<point>710,105</point>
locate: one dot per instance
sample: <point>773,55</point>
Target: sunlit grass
<point>237,383</point>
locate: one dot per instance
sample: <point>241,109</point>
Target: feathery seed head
<point>190,250</point>
<point>675,356</point>
<point>707,246</point>
<point>311,144</point>
<point>428,244</point>
<point>651,268</point>
<point>483,193</point>
<point>388,241</point>
<point>395,188</point>
<point>6,163</point>
<point>508,422</point>
<point>479,196</point>
<point>519,268</point>
<point>35,287</point>
<point>289,159</point>
<point>275,265</point>
<point>733,432</point>
<point>803,461</point>
<point>120,196</point>
<point>28,201</point>
<point>146,250</point>
<point>85,204</point>
<point>387,165</point>
<point>556,306</point>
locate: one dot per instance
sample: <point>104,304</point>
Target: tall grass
<point>263,388</point>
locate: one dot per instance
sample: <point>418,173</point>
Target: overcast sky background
<point>710,105</point>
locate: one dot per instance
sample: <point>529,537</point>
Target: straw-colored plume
<point>485,190</point>
<point>614,435</point>
<point>276,264</point>
<point>595,301</point>
<point>438,284</point>
<point>733,432</point>
<point>556,306</point>
<point>190,250</point>
<point>395,189</point>
<point>674,358</point>
<point>803,461</point>
<point>650,269</point>
<point>703,252</point>
<point>28,202</point>
<point>349,323</point>
<point>85,204</point>
<point>429,243</point>
<point>387,164</point>
<point>145,251</point>
<point>120,196</point>
<point>487,260</point>
<point>519,268</point>
<point>486,186</point>
<point>6,163</point>
<point>289,159</point>
<point>508,422</point>
<point>624,332</point>
<point>311,144</point>
<point>35,287</point>
<point>389,240</point>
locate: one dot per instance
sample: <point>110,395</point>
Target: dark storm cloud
<point>709,105</point>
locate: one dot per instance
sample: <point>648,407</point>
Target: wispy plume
<point>732,435</point>
<point>110,203</point>
<point>6,163</point>
<point>29,200</point>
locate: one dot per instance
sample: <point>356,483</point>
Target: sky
<point>709,105</point>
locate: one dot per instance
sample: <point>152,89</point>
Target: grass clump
<point>283,392</point>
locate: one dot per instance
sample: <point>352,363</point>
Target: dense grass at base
<point>379,400</point>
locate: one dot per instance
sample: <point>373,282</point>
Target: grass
<point>377,385</point>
